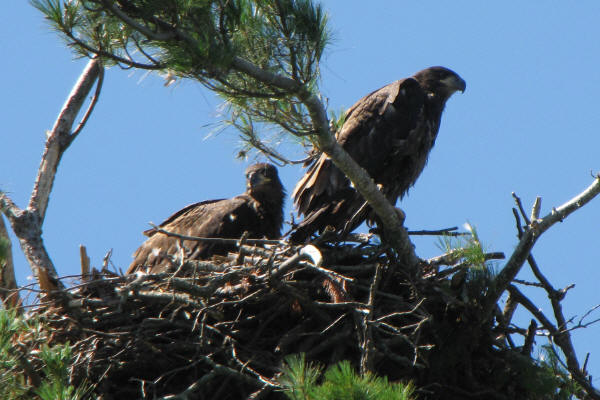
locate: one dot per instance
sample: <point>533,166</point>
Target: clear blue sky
<point>527,123</point>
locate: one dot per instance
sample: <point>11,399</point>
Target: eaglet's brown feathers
<point>389,133</point>
<point>259,211</point>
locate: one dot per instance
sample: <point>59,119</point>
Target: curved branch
<point>60,137</point>
<point>90,109</point>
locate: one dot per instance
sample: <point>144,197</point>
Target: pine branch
<point>326,142</point>
<point>235,53</point>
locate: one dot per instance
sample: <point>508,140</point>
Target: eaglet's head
<point>262,177</point>
<point>440,81</point>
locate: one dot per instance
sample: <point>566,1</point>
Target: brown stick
<point>8,284</point>
<point>561,338</point>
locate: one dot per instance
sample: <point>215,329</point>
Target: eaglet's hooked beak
<point>257,179</point>
<point>455,83</point>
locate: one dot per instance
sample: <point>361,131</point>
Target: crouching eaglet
<point>389,133</point>
<point>259,211</point>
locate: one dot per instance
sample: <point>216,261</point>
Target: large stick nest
<point>221,328</point>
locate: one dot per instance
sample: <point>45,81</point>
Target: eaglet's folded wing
<point>225,218</point>
<point>377,129</point>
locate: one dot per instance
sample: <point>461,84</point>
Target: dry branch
<point>530,236</point>
<point>61,136</point>
<point>27,223</point>
<point>8,284</point>
<point>559,332</point>
<point>561,337</point>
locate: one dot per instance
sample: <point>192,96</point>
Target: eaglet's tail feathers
<point>344,211</point>
<point>316,187</point>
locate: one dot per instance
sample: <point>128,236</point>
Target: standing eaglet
<point>389,133</point>
<point>259,211</point>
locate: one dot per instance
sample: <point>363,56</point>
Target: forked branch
<point>27,223</point>
<point>531,234</point>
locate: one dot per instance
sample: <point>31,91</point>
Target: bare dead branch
<point>9,294</point>
<point>90,109</point>
<point>85,262</point>
<point>535,210</point>
<point>529,339</point>
<point>521,209</point>
<point>367,347</point>
<point>27,224</point>
<point>59,138</point>
<point>560,336</point>
<point>8,207</point>
<point>581,324</point>
<point>439,232</point>
<point>536,229</point>
<point>509,309</point>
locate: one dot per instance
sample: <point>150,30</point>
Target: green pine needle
<point>198,39</point>
<point>340,382</point>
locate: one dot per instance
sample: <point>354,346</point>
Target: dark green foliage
<point>340,382</point>
<point>552,377</point>
<point>478,274</point>
<point>56,362</point>
<point>29,367</point>
<point>200,39</point>
<point>299,377</point>
<point>12,382</point>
